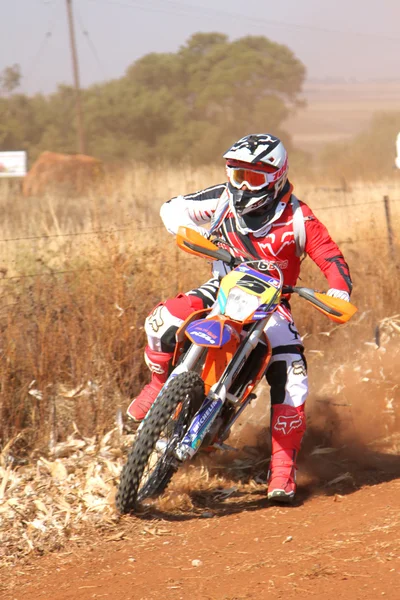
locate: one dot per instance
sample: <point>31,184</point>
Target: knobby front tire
<point>147,471</point>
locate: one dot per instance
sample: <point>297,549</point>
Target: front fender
<point>212,333</point>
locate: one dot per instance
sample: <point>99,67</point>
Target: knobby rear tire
<point>186,388</point>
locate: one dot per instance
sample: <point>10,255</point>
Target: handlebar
<point>193,242</point>
<point>287,289</point>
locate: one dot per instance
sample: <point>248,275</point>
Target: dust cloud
<point>352,439</point>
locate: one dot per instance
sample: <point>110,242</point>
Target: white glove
<point>338,294</point>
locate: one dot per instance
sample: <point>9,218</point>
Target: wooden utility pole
<point>78,103</point>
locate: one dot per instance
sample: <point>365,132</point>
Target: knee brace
<point>287,376</point>
<point>165,319</point>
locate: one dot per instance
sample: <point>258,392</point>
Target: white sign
<point>12,164</point>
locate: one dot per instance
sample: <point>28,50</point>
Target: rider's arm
<point>326,254</point>
<point>191,210</point>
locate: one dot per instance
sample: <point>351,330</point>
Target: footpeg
<point>225,447</point>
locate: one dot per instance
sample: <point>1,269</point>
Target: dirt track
<point>339,541</point>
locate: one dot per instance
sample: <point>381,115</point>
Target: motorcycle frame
<point>219,391</point>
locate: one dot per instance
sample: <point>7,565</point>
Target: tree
<point>187,105</point>
<point>220,90</point>
<point>10,79</point>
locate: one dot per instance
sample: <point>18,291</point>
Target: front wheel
<point>151,462</point>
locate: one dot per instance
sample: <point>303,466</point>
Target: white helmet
<point>259,163</point>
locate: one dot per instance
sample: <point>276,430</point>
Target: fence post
<point>389,225</point>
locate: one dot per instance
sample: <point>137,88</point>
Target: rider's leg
<point>161,326</point>
<point>287,376</point>
<point>158,363</point>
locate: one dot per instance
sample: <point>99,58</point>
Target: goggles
<point>254,180</point>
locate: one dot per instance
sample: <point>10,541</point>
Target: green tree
<point>219,90</point>
<point>10,79</point>
<point>191,104</point>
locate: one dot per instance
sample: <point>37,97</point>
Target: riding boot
<point>158,363</point>
<point>288,425</point>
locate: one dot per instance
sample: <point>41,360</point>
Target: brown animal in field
<point>72,173</point>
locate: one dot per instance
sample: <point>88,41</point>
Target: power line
<point>182,9</point>
<point>48,34</point>
<point>90,43</point>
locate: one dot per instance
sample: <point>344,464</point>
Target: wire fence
<point>97,232</point>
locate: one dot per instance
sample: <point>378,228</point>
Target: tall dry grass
<point>79,276</point>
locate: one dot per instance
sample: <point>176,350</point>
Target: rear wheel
<point>151,462</point>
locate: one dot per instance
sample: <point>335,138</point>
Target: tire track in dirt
<point>342,546</point>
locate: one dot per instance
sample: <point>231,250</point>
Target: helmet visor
<point>253,180</point>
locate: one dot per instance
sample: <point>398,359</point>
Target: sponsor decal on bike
<point>282,264</point>
<point>203,335</point>
<point>201,424</point>
<point>264,265</point>
<point>259,274</point>
<point>210,331</point>
<point>254,285</point>
<point>202,419</point>
<point>263,311</point>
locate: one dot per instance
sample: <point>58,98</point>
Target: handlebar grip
<point>287,289</point>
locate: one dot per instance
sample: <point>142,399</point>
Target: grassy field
<point>338,111</point>
<point>79,276</point>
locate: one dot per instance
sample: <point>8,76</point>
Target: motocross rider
<point>257,212</point>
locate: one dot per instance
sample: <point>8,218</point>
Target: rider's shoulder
<point>306,210</point>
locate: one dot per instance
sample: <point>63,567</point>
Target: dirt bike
<point>221,355</point>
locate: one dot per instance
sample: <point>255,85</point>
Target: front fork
<point>211,407</point>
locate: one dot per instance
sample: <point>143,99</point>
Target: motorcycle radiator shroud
<point>245,295</point>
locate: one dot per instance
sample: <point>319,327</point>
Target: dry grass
<point>56,498</point>
<point>80,274</point>
<point>75,296</point>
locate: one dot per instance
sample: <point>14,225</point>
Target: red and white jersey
<point>275,242</point>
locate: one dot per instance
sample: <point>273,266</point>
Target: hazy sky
<point>341,38</point>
